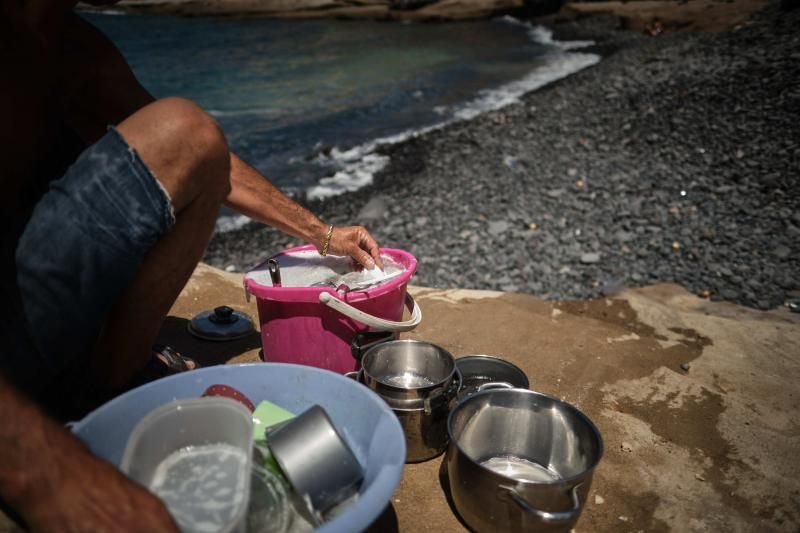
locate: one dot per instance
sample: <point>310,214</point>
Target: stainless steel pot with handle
<point>519,460</point>
<point>483,371</point>
<point>424,420</point>
<point>407,370</point>
<point>425,430</point>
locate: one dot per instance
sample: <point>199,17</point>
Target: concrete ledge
<point>697,401</point>
<point>708,448</point>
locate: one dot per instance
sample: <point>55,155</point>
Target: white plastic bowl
<point>366,422</point>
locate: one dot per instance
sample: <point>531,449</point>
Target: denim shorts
<point>84,243</point>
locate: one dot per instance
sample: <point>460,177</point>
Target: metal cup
<point>316,460</point>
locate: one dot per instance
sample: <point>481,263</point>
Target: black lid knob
<point>223,315</point>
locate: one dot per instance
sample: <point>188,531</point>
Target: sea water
<point>520,469</point>
<point>202,486</point>
<point>307,102</point>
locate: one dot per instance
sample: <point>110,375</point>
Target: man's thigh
<point>82,247</point>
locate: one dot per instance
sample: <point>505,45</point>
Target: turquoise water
<point>286,91</point>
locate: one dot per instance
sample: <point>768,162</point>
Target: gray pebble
<point>590,258</point>
<point>781,252</point>
<point>498,227</point>
<point>373,209</point>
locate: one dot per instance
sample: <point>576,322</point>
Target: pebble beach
<point>674,159</point>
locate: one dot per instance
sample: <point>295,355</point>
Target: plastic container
<point>374,436</point>
<point>270,509</point>
<point>214,432</point>
<point>319,326</point>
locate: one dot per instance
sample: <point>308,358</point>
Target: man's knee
<point>188,126</point>
<point>183,145</point>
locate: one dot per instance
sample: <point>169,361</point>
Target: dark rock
<point>781,252</point>
<point>729,294</point>
<point>612,286</point>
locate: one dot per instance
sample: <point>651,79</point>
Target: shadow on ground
<point>386,522</point>
<point>174,333</point>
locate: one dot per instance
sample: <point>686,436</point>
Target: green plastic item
<point>266,415</point>
<point>262,456</point>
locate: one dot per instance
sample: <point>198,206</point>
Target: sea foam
<point>358,165</point>
<point>361,163</point>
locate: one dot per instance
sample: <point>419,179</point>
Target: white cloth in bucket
<point>309,269</point>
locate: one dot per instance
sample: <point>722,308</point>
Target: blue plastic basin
<point>368,424</point>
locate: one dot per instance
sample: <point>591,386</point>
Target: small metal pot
<point>480,372</point>
<point>407,370</point>
<point>519,460</point>
<point>426,433</point>
<point>424,421</point>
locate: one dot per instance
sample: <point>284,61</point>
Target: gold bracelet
<point>327,241</point>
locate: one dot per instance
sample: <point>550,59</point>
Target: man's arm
<point>255,196</point>
<point>52,480</point>
<point>101,89</point>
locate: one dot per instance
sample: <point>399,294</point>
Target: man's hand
<point>356,242</point>
<point>255,196</point>
<point>54,483</point>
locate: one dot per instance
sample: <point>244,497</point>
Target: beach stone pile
<point>675,159</point>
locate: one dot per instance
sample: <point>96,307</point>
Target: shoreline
<point>667,161</point>
<point>673,15</point>
<point>406,11</point>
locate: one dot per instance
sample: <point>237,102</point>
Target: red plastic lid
<point>229,392</point>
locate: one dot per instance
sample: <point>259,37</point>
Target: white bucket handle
<point>378,324</point>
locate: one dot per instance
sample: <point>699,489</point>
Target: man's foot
<point>164,362</point>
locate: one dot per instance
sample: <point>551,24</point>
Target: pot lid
<point>221,324</point>
<point>477,370</point>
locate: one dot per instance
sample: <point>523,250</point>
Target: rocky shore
<point>674,159</point>
<point>407,10</point>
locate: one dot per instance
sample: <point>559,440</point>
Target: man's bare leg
<point>187,152</point>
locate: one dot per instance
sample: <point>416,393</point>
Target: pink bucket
<point>320,327</point>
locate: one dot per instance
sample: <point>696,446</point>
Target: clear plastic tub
<point>270,509</point>
<point>196,455</point>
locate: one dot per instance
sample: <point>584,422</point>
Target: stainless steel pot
<point>407,370</point>
<point>484,371</point>
<point>425,431</point>
<point>424,420</point>
<point>519,460</point>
